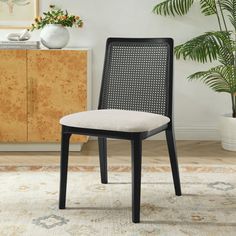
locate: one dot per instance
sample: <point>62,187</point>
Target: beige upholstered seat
<point>115,120</point>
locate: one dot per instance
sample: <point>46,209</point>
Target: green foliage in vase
<point>217,45</point>
<point>56,16</point>
<point>12,3</point>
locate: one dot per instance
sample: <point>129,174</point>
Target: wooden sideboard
<point>37,88</point>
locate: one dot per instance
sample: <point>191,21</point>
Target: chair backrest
<point>138,75</point>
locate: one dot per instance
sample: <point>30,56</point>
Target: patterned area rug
<point>29,202</point>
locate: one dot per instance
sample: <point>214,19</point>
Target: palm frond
<point>220,78</point>
<point>226,53</point>
<point>173,7</point>
<point>226,56</point>
<point>230,7</point>
<point>208,7</point>
<point>202,48</point>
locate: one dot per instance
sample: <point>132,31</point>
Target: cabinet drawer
<point>57,82</point>
<point>13,96</point>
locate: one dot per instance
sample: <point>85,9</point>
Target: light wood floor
<point>154,152</point>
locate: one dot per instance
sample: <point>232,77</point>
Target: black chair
<point>135,103</point>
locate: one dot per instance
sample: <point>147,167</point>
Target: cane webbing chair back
<point>138,75</point>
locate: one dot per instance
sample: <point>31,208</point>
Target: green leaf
<point>230,7</point>
<point>202,48</point>
<point>208,7</point>
<point>173,7</point>
<point>226,52</point>
<point>220,79</point>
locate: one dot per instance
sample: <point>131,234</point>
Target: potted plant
<point>217,45</point>
<point>54,34</point>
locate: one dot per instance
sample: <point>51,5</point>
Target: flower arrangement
<point>56,16</point>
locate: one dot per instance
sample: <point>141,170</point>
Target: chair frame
<point>135,138</point>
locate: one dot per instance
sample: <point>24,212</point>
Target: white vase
<point>228,132</point>
<point>54,36</point>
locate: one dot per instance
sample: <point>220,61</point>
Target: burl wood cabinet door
<point>13,96</point>
<point>57,86</point>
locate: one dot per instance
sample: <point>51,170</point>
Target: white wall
<point>197,108</point>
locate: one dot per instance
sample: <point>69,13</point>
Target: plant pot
<point>228,132</point>
<point>54,36</point>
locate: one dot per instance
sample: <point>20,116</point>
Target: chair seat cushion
<point>115,120</point>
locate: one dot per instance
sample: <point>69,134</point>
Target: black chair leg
<point>65,139</point>
<point>102,144</point>
<point>136,151</point>
<point>173,160</point>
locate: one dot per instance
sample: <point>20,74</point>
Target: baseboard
<point>28,147</point>
<point>197,132</point>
